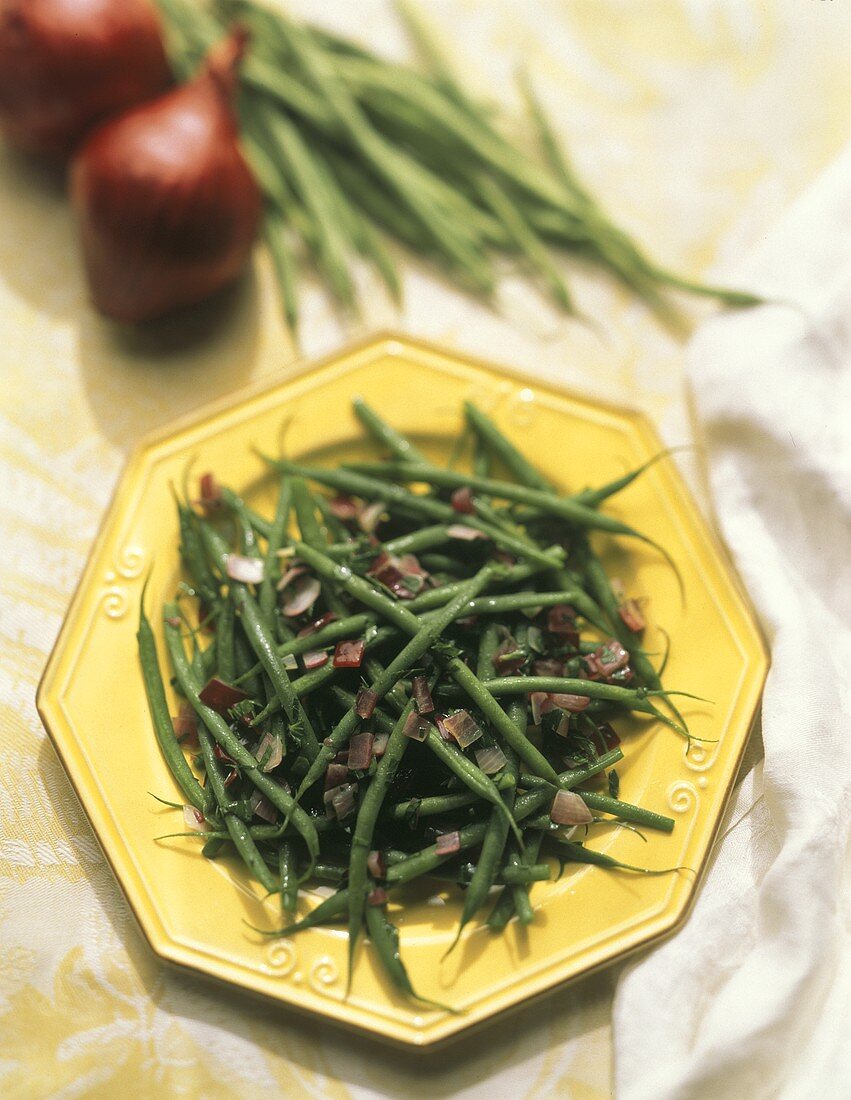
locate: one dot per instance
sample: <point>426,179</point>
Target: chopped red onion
<point>503,556</point>
<point>261,807</point>
<point>422,695</point>
<point>561,620</point>
<point>491,760</point>
<point>317,624</point>
<point>335,774</point>
<point>349,654</point>
<point>314,658</point>
<point>290,575</point>
<point>632,616</point>
<point>377,897</point>
<point>463,728</point>
<point>575,704</point>
<point>343,800</point>
<point>211,492</point>
<point>370,515</point>
<point>246,570</point>
<point>548,666</point>
<point>365,703</point>
<point>508,658</point>
<point>173,620</point>
<point>539,701</point>
<point>195,820</point>
<point>415,727</point>
<point>305,594</point>
<point>610,656</point>
<point>219,696</point>
<point>464,533</point>
<point>563,727</point>
<point>344,507</point>
<point>273,747</point>
<point>569,809</point>
<point>447,844</point>
<point>623,675</point>
<point>593,669</point>
<point>220,754</point>
<point>386,569</point>
<point>289,661</point>
<point>462,501</point>
<point>375,864</point>
<point>609,736</point>
<point>231,777</point>
<point>379,745</point>
<point>360,751</point>
<point>186,724</point>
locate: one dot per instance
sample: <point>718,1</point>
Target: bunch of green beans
<point>361,720</point>
<point>352,150</point>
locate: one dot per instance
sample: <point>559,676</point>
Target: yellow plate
<point>194,912</point>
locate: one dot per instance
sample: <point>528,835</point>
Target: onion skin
<point>66,65</point>
<point>166,204</point>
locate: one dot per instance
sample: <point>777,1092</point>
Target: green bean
<point>504,450</point>
<point>288,877</point>
<point>249,853</point>
<point>163,725</point>
<point>522,875</point>
<point>580,854</point>
<point>275,236</point>
<point>193,556</point>
<point>367,816</point>
<point>385,939</point>
<point>519,892</point>
<point>225,655</point>
<point>569,779</point>
<point>625,811</point>
<point>293,813</point>
<point>632,698</point>
<point>469,774</point>
<point>267,595</point>
<point>384,434</point>
<point>214,778</point>
<point>432,806</point>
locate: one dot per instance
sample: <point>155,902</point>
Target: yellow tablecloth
<point>698,122</point>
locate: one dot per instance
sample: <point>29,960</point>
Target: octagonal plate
<point>194,912</point>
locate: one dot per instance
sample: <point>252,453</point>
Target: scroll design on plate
<point>683,797</point>
<point>323,975</point>
<point>282,958</point>
<point>127,565</point>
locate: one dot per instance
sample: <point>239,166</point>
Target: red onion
<point>261,807</point>
<point>569,809</point>
<point>539,701</point>
<point>462,501</point>
<point>186,724</point>
<point>246,570</point>
<point>343,800</point>
<point>491,760</point>
<point>548,666</point>
<point>304,595</point>
<point>270,750</point>
<point>466,534</point>
<point>463,728</point>
<point>610,656</point>
<point>386,569</point>
<point>289,576</point>
<point>575,704</point>
<point>211,492</point>
<point>422,695</point>
<point>379,745</point>
<point>195,820</point>
<point>507,657</point>
<point>349,654</point>
<point>561,620</point>
<point>415,727</point>
<point>360,752</point>
<point>447,844</point>
<point>314,658</point>
<point>632,616</point>
<point>609,736</point>
<point>344,508</point>
<point>440,722</point>
<point>219,696</point>
<point>370,515</point>
<point>167,206</point>
<point>66,65</point>
<point>317,624</point>
<point>365,703</point>
<point>377,896</point>
<point>375,864</point>
<point>335,774</point>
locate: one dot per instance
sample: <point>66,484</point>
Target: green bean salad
<point>406,671</point>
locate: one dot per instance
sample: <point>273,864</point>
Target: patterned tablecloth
<point>697,120</point>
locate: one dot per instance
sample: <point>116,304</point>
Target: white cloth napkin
<point>752,998</point>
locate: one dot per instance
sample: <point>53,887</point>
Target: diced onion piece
<point>573,703</point>
<point>365,703</point>
<point>539,701</point>
<point>186,724</point>
<point>343,800</point>
<point>360,751</point>
<point>447,844</point>
<point>314,658</point>
<point>462,501</point>
<point>290,575</point>
<point>289,662</point>
<point>195,820</point>
<point>271,746</point>
<point>569,809</point>
<point>375,864</point>
<point>464,533</point>
<point>304,595</point>
<point>440,722</point>
<point>317,624</point>
<point>548,666</point>
<point>563,727</point>
<point>246,570</point>
<point>377,896</point>
<point>508,658</point>
<point>609,736</point>
<point>219,696</point>
<point>623,675</point>
<point>632,616</point>
<point>561,619</point>
<point>415,727</point>
<point>422,695</point>
<point>610,656</point>
<point>349,654</point>
<point>344,507</point>
<point>261,807</point>
<point>463,728</point>
<point>370,515</point>
<point>211,492</point>
<point>379,745</point>
<point>335,774</point>
<point>491,760</point>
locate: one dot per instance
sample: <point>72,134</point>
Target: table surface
<point>698,122</point>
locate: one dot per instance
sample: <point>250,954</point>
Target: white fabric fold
<point>751,998</point>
